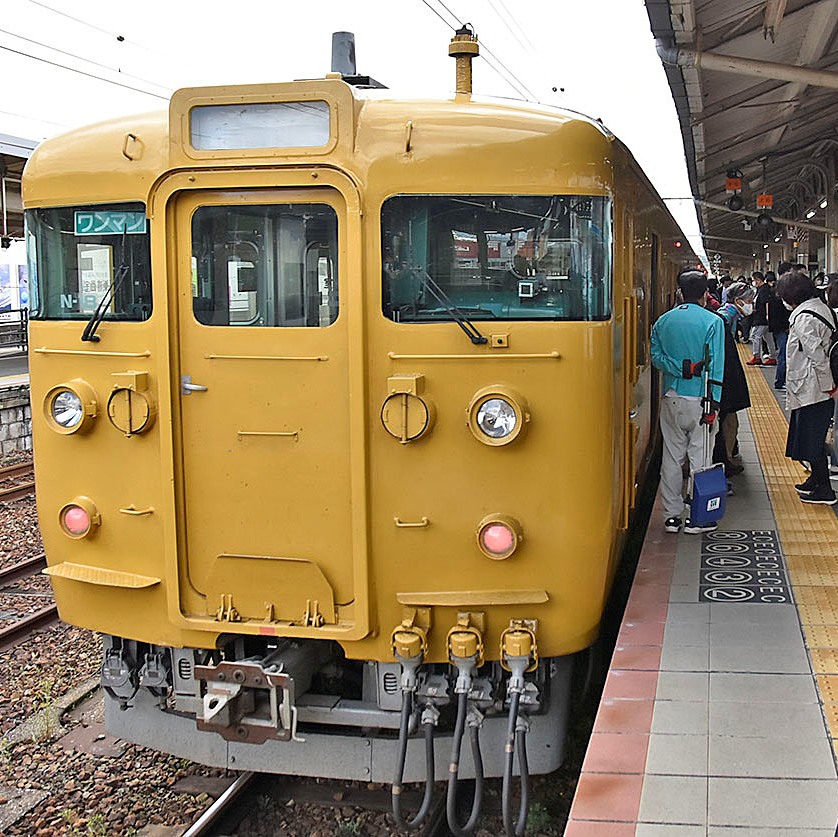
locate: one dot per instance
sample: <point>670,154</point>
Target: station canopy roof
<point>14,152</point>
<point>755,84</point>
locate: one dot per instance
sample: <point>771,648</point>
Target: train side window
<point>499,257</point>
<point>79,254</point>
<point>270,266</point>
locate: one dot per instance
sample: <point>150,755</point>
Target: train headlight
<point>67,409</point>
<point>497,416</point>
<point>79,518</point>
<point>498,536</point>
<point>70,407</point>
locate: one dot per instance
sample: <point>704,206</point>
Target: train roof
<point>121,159</point>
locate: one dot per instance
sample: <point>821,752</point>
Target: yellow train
<point>340,404</point>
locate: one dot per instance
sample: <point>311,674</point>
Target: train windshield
<point>75,255</point>
<point>505,257</point>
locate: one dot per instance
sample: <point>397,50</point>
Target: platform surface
<point>720,710</point>
<point>14,369</point>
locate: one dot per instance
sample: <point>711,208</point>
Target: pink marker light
<point>498,539</point>
<point>76,520</point>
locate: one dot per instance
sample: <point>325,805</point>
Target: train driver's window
<point>270,266</point>
<point>501,257</point>
<point>86,258</point>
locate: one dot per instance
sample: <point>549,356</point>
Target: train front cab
<point>341,479</point>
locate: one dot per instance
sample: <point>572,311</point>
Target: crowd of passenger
<point>790,324</point>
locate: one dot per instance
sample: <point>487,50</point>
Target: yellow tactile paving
<point>828,687</point>
<point>822,636</point>
<point>812,616</point>
<point>809,538</point>
<point>825,660</point>
<point>813,569</point>
<point>823,598</point>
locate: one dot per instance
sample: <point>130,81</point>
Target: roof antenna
<point>464,48</point>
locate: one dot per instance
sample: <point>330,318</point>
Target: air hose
<point>429,717</point>
<point>454,768</point>
<point>516,740</point>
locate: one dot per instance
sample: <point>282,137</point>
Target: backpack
<point>832,351</point>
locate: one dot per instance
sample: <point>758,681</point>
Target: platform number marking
<point>743,566</point>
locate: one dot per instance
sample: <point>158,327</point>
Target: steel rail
<point>22,569</point>
<point>17,492</point>
<point>206,824</point>
<point>28,625</point>
<point>203,825</point>
<point>16,470</point>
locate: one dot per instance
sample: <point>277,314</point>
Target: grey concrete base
<point>338,754</point>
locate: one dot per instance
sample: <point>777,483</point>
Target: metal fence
<point>14,330</point>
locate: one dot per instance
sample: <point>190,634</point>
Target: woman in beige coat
<point>809,384</point>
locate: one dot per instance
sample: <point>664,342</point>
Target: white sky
<point>600,51</point>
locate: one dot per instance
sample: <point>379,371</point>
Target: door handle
<point>632,413</point>
<point>186,385</point>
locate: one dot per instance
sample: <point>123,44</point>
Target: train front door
<point>271,448</point>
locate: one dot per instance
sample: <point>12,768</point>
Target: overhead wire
<point>34,119</point>
<point>82,58</point>
<point>92,26</point>
<point>436,12</point>
<point>83,73</point>
<point>515,23</point>
<point>508,27</point>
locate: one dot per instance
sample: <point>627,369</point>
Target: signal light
<point>678,244</point>
<point>735,203</point>
<point>79,518</point>
<point>498,536</point>
<point>76,520</point>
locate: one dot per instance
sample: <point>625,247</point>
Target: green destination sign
<point>109,222</point>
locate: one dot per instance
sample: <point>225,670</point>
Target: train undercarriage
<point>302,708</point>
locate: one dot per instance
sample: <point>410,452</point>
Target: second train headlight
<point>496,418</point>
<point>70,407</point>
<point>497,415</point>
<point>67,409</point>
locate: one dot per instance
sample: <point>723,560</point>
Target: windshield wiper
<point>455,313</point>
<point>89,333</point>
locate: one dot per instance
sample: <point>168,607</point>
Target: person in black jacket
<point>778,325</point>
<point>735,394</point>
<point>759,324</point>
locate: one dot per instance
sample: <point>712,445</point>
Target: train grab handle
<point>186,385</point>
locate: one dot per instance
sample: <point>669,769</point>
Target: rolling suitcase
<point>709,483</point>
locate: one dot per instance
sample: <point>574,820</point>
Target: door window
<point>271,266</point>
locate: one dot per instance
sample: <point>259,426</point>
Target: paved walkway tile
<point>773,803</point>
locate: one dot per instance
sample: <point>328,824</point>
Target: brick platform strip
<point>607,801</point>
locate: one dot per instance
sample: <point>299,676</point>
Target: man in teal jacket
<point>680,338</point>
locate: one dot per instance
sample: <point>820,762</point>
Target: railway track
<point>25,484</point>
<point>222,816</point>
<point>26,625</point>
